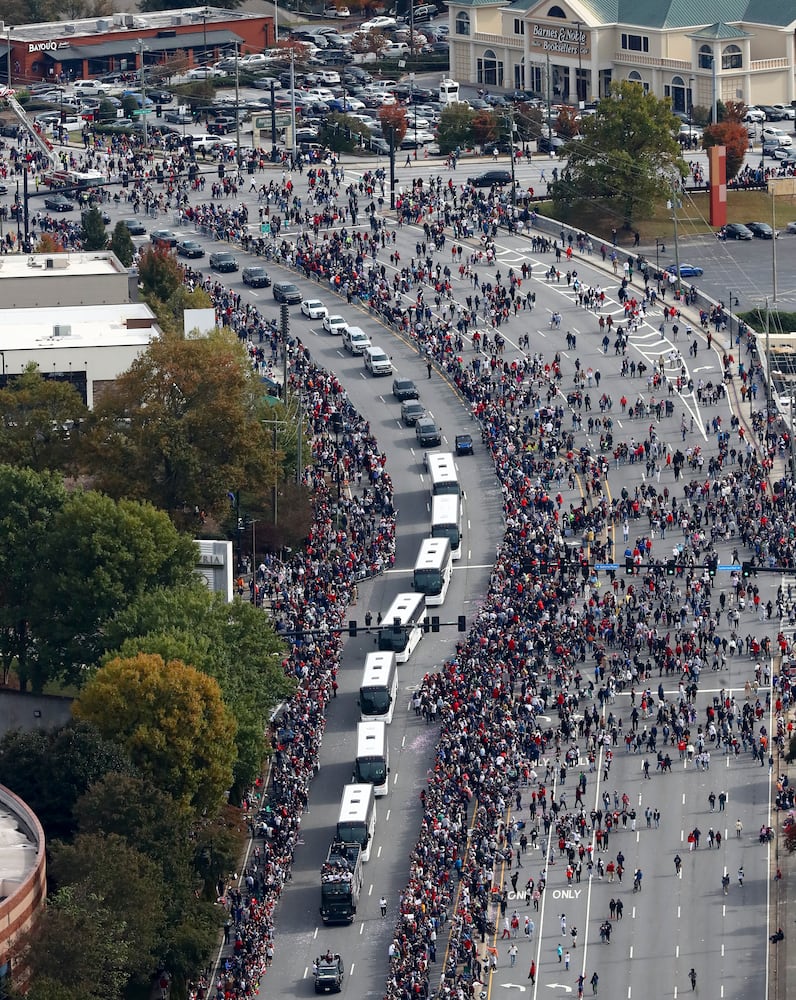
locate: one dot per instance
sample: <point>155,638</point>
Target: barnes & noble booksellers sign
<point>558,39</point>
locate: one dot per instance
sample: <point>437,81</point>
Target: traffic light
<point>584,568</point>
<point>221,170</point>
<point>435,623</point>
<point>284,320</point>
<point>748,569</point>
<point>426,626</point>
<point>712,566</point>
<point>462,623</point>
<point>670,564</point>
<point>352,629</point>
<point>629,567</point>
<point>159,110</point>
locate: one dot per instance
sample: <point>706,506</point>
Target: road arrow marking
<point>513,986</point>
<point>559,986</point>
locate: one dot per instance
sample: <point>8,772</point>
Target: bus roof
<point>403,607</point>
<point>371,738</point>
<point>355,803</point>
<point>433,552</point>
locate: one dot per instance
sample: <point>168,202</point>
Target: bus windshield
<point>352,833</point>
<point>428,581</point>
<point>374,701</point>
<point>372,772</point>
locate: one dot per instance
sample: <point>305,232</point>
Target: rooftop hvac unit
<point>102,25</point>
<point>69,29</point>
<point>119,19</point>
<point>129,20</point>
<point>62,330</point>
<point>177,19</point>
<point>58,263</point>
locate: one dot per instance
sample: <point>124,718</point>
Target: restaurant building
<point>92,47</point>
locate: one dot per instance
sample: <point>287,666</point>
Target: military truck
<point>329,973</point>
<point>341,882</point>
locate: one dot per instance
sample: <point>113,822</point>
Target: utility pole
<point>549,123</point>
<point>293,102</point>
<point>578,26</point>
<point>510,117</point>
<point>143,89</point>
<point>673,203</point>
<point>392,169</point>
<point>273,123</point>
<point>237,104</point>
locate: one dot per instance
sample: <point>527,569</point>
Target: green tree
<point>40,421</point>
<point>333,134</point>
<point>99,555</point>
<point>236,644</point>
<point>734,136</point>
<point>122,244</point>
<point>628,155</point>
<point>171,720</point>
<point>52,769</point>
<point>94,236</point>
<point>567,124</point>
<point>455,128</point>
<point>161,828</point>
<point>29,503</point>
<point>104,869</point>
<point>184,426</point>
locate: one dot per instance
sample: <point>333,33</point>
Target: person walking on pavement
<point>513,950</point>
<point>428,368</point>
<point>692,977</point>
<point>383,906</point>
<point>560,953</point>
<point>563,923</point>
<point>594,981</point>
<point>532,973</point>
<point>566,960</point>
<point>738,829</point>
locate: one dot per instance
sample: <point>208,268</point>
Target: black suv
<point>490,178</point>
<point>223,261</point>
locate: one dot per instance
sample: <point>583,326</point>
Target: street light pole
<point>237,104</point>
<point>579,25</point>
<point>143,89</point>
<point>690,110</point>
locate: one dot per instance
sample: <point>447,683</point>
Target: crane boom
<point>41,141</point>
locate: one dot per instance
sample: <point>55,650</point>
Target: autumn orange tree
<point>567,124</point>
<point>485,127</point>
<point>49,244</point>
<point>734,137</point>
<point>393,123</point>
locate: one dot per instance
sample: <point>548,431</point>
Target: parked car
<point>761,230</point>
<point>337,12</point>
<point>256,277</point>
<point>58,203</point>
<point>103,215</point>
<point>223,260</point>
<point>286,291</point>
<point>177,117</point>
<point>490,177</point>
<point>737,231</point>
<point>190,248</point>
<point>791,227</point>
<point>405,388</point>
<point>550,144</point>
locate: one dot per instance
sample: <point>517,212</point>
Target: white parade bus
<point>446,521</point>
<point>433,570</point>
<point>357,821</point>
<point>379,687</point>
<point>442,471</point>
<point>402,625</point>
<point>372,763</point>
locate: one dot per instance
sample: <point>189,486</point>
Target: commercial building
<point>71,315</point>
<point>739,50</point>
<point>23,881</point>
<point>92,47</point>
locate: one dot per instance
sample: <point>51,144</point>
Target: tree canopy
<point>734,137</point>
<point>627,155</point>
<point>236,644</point>
<point>171,721</point>
<point>183,426</point>
<point>40,421</point>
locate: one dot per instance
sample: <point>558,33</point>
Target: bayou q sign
<point>559,39</point>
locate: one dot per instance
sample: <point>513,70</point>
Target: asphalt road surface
<point>673,924</point>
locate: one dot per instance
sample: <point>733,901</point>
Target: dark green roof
<point>719,32</point>
<point>688,13</point>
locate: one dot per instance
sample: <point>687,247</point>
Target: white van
<point>204,143</point>
<point>377,362</point>
<point>355,340</point>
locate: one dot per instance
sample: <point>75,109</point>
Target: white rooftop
<point>124,324</point>
<point>124,22</point>
<point>16,266</point>
<point>17,851</point>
